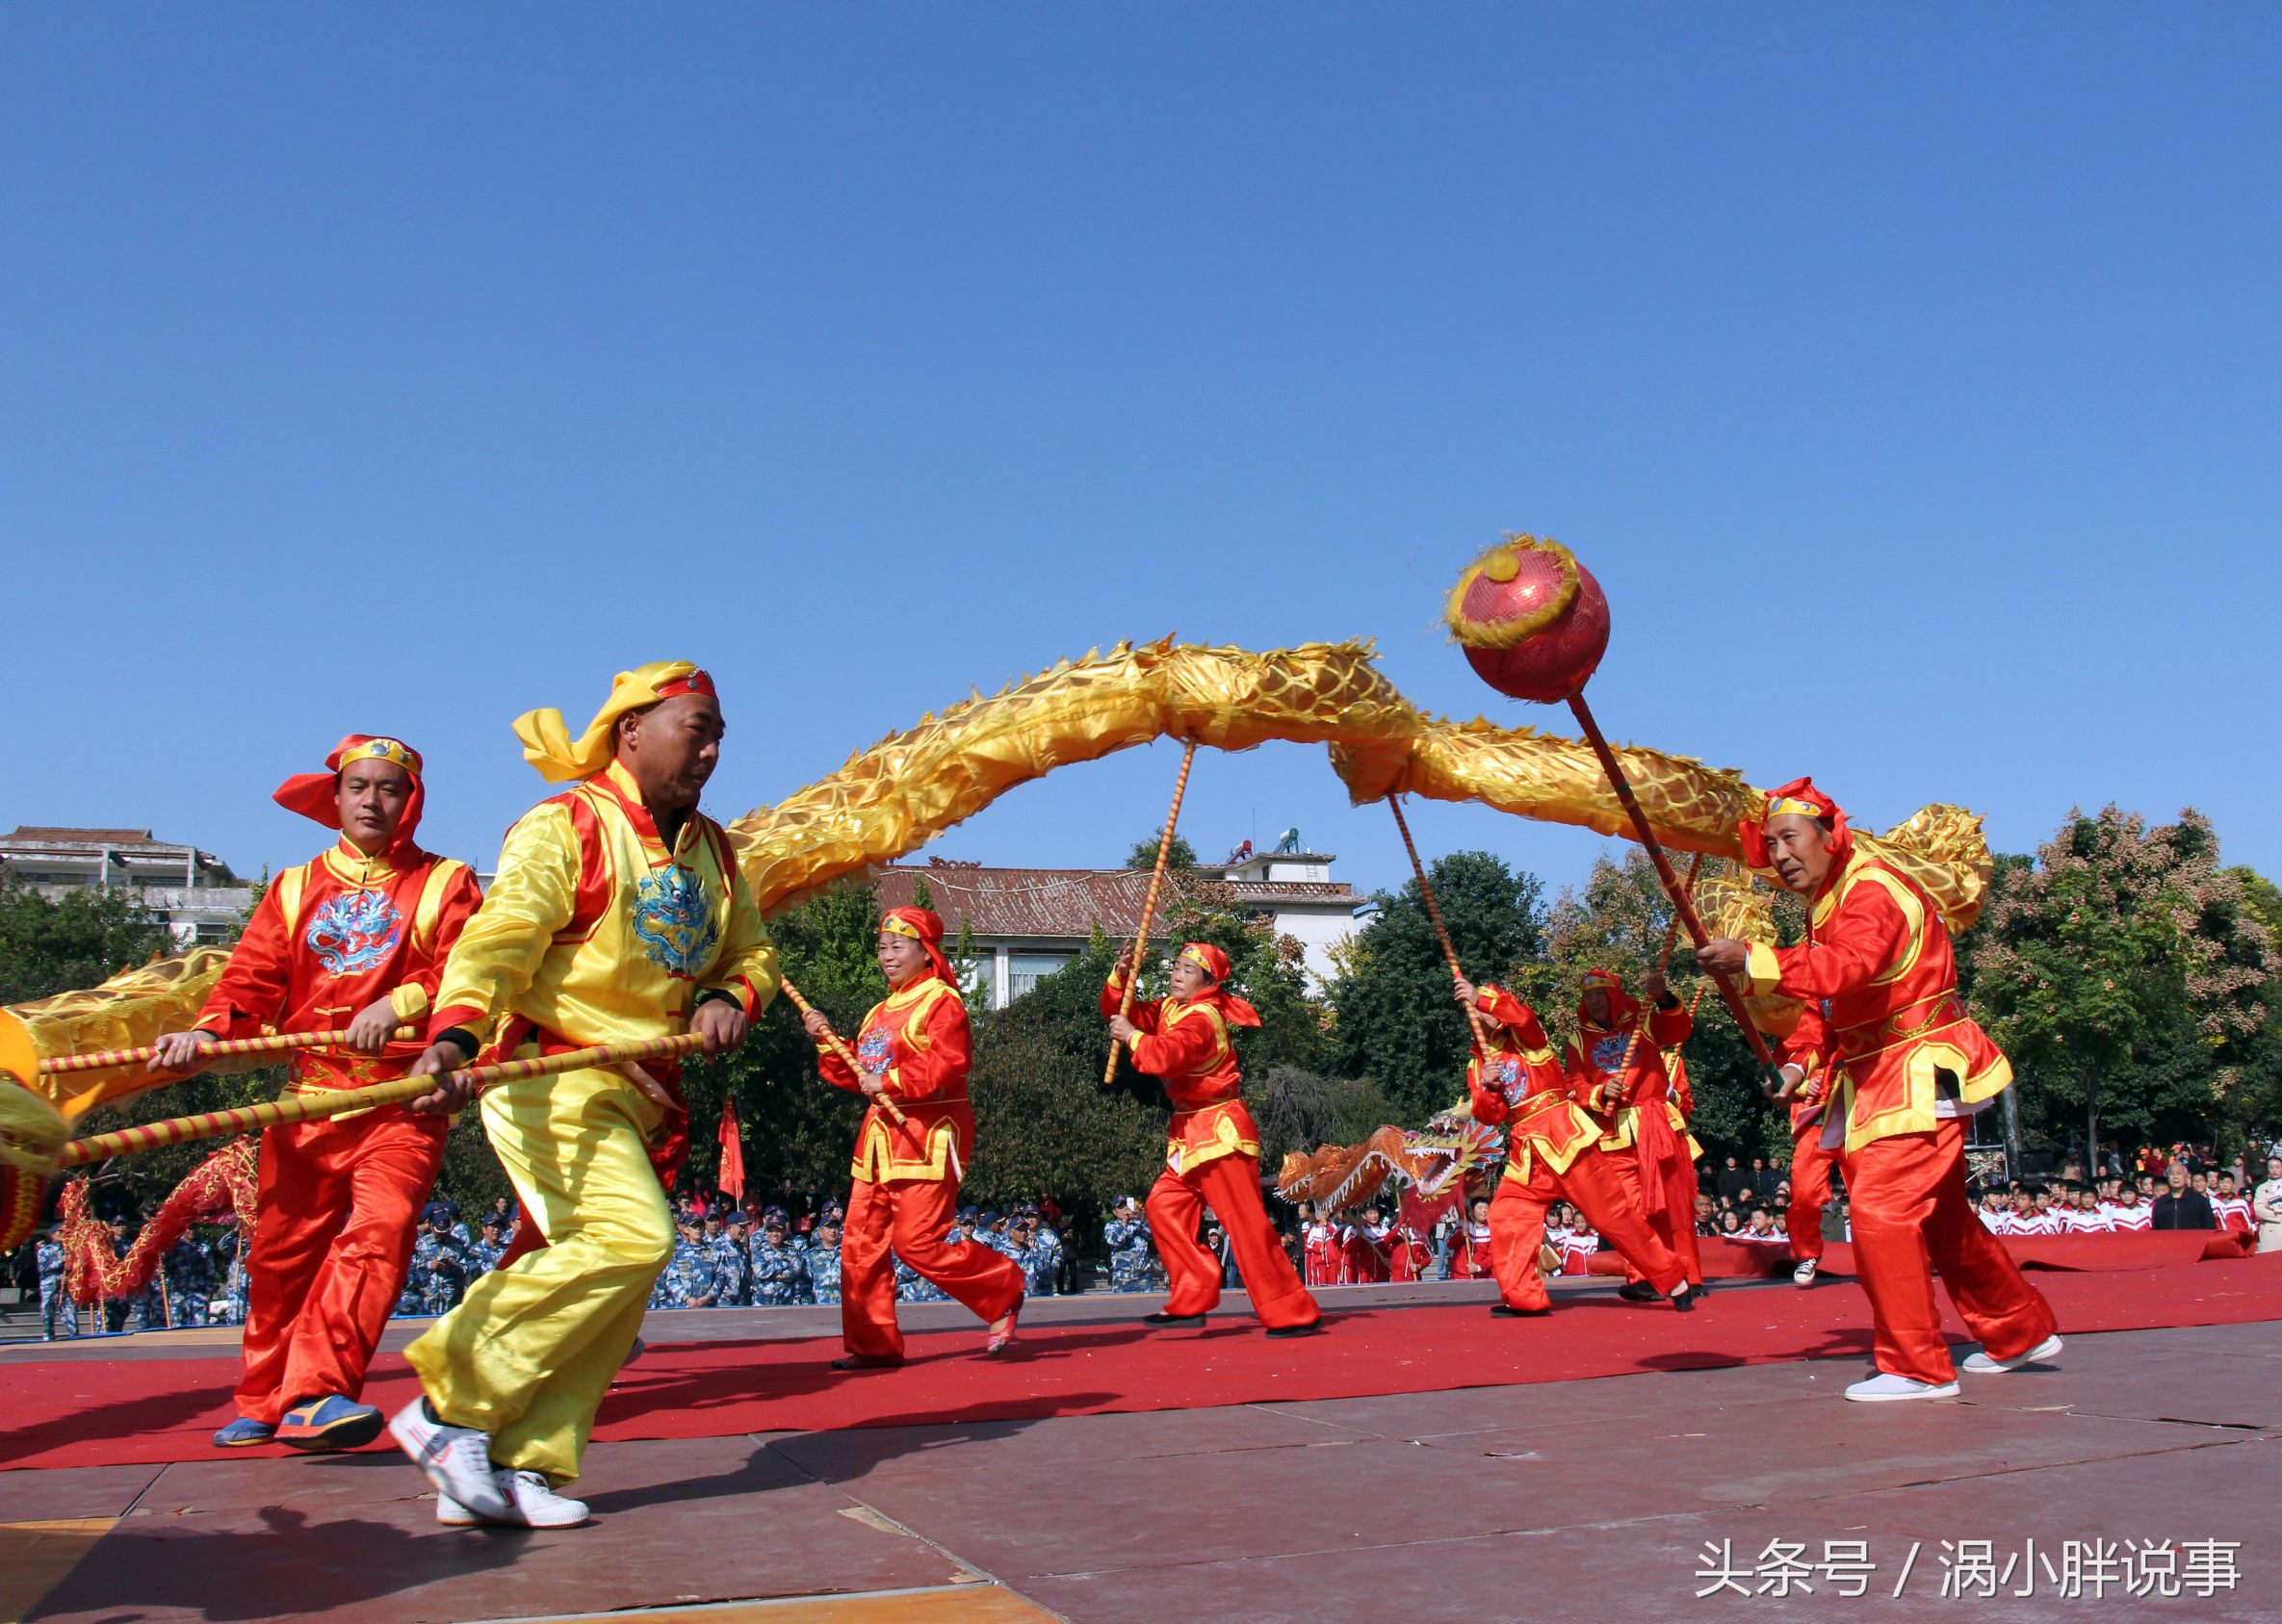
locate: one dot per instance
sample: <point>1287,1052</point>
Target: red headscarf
<point>924,926</point>
<point>315,795</point>
<point>1235,1011</point>
<point>1622,1006</point>
<point>1798,796</point>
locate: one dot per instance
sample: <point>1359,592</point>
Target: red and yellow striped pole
<point>1156,879</point>
<point>311,1107</point>
<point>838,1046</point>
<point>276,1042</point>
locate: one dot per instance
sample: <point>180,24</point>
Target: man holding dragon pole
<point>1879,982</point>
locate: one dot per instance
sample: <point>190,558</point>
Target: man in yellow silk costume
<point>618,914</point>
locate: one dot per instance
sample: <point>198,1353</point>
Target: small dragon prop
<point>222,1183</point>
<point>1428,1160</point>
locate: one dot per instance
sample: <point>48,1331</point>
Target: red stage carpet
<point>88,1412</point>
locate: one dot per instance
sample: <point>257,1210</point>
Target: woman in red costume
<point>1211,1147</point>
<point>1552,1152</point>
<point>356,939</point>
<point>915,1048</point>
<point>1645,1146</point>
<point>1907,1066</point>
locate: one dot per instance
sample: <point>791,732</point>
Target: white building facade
<point>1023,925</point>
<point>194,892</point>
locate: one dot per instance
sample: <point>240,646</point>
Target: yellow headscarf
<point>547,744</point>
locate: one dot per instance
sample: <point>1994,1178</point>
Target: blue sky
<point>1907,375</point>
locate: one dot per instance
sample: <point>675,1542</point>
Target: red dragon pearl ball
<point>1532,620</point>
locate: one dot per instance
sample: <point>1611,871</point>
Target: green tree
<point>798,1129</point>
<point>2126,975</point>
<point>87,936</point>
<point>1180,860</point>
<point>1394,1018</point>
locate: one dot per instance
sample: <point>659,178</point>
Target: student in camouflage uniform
<point>995,1232</point>
<point>190,1281</point>
<point>729,1272</point>
<point>487,1252</point>
<point>232,1308</point>
<point>1130,1250</point>
<point>692,1276</point>
<point>438,1276</point>
<point>820,1266</point>
<point>55,1307</point>
<point>735,1253</point>
<point>1040,1255</point>
<point>776,1266</point>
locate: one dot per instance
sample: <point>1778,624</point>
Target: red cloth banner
<point>731,1178</point>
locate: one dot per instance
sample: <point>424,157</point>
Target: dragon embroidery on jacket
<point>674,921</point>
<point>354,932</point>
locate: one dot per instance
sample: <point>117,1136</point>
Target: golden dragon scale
<point>893,798</point>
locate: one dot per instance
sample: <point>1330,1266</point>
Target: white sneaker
<point>1981,1364</point>
<point>1883,1388</point>
<point>537,1504</point>
<point>457,1460</point>
<point>1804,1274</point>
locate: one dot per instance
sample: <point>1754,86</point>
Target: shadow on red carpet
<point>84,1412</point>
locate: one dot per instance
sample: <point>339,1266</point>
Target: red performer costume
<point>916,1045</point>
<point>1552,1153</point>
<point>1211,1147</point>
<point>1810,1178</point>
<point>1880,981</point>
<point>329,941</point>
<point>1409,1254</point>
<point>1322,1250</point>
<point>1647,1144</point>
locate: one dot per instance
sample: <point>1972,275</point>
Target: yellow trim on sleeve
<point>1762,970</point>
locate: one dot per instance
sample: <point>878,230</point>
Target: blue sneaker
<point>317,1425</point>
<point>244,1434</point>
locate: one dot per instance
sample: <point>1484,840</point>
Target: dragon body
<point>903,791</point>
<point>1429,1161</point>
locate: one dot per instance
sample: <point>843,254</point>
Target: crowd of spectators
<point>785,1250</point>
<point>2185,1190</point>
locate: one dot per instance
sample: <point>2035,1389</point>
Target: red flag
<point>732,1177</point>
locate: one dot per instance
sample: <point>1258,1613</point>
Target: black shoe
<point>1684,1301</point>
<point>1296,1331</point>
<point>1161,1318</point>
<point>1700,1289</point>
<point>1506,1311</point>
<point>1639,1291</point>
<point>864,1361</point>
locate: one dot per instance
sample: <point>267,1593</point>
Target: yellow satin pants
<point>530,1352</point>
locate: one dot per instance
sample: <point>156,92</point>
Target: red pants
<point>1595,1185</point>
<point>1910,1217</point>
<point>1675,1224</point>
<point>338,1202</point>
<point>912,1216</point>
<point>1230,1185</point>
<point>1810,1190</point>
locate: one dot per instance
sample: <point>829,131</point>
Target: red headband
<point>1801,798</point>
<point>697,682</point>
<point>1622,1003</point>
<point>923,926</point>
<point>1214,962</point>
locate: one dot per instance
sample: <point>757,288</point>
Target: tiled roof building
<point>1025,924</point>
